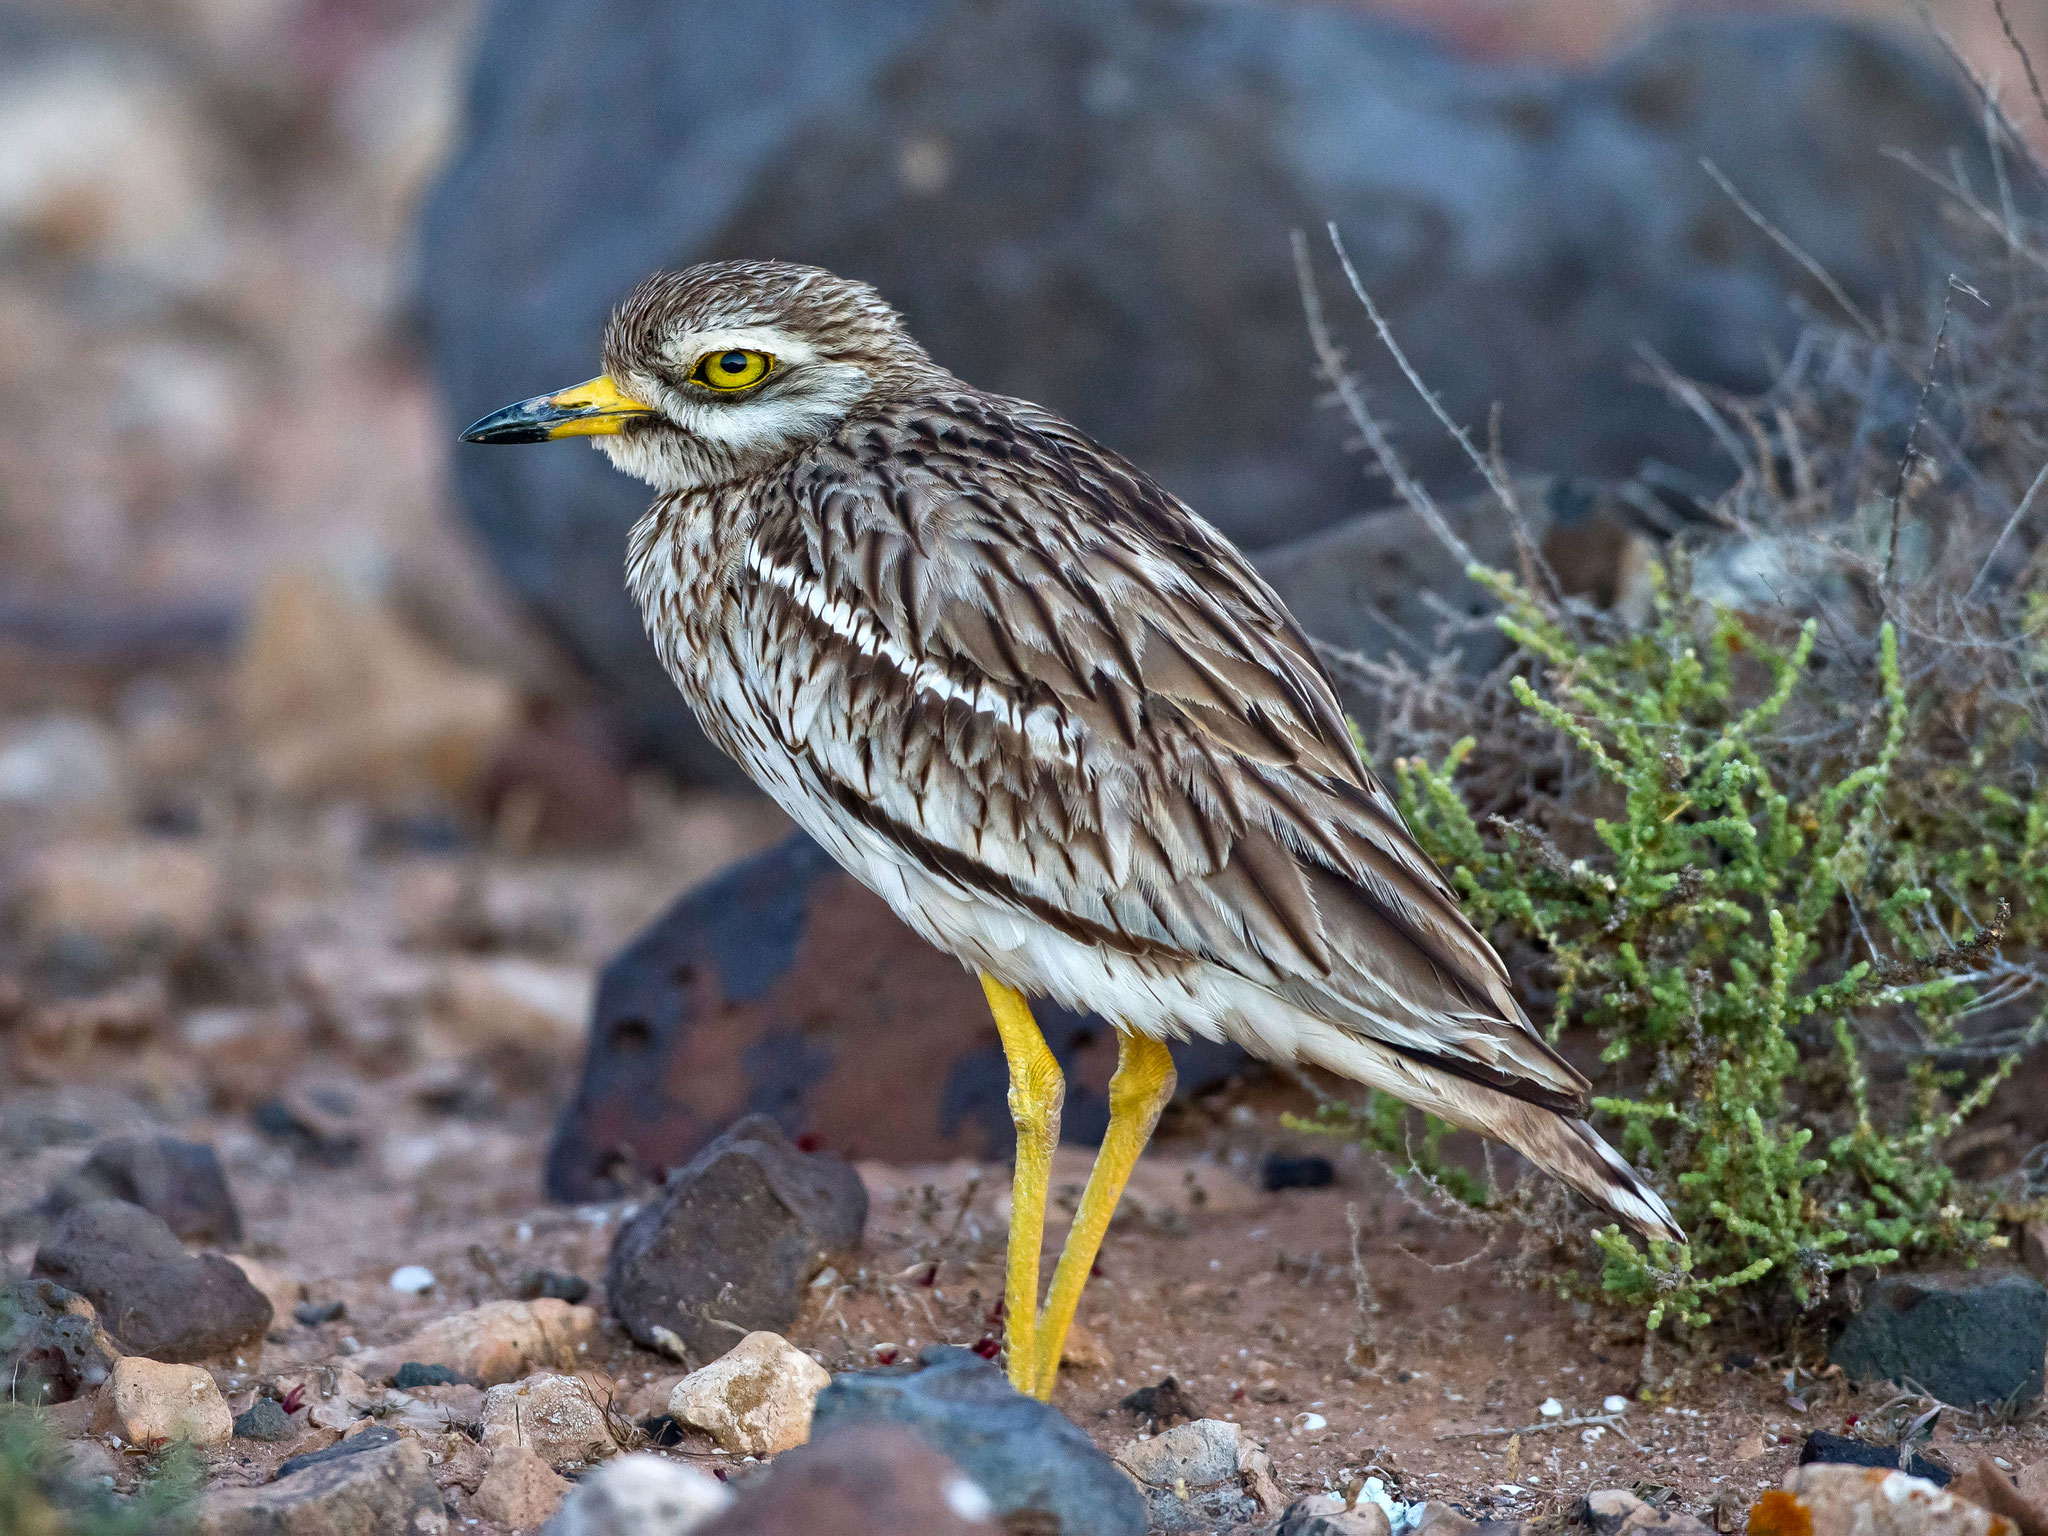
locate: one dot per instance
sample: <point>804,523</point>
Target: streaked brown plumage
<point>1045,710</point>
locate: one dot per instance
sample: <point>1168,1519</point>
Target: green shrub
<point>1768,852</point>
<point>38,1498</point>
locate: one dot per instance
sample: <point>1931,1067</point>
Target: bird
<point>1053,718</point>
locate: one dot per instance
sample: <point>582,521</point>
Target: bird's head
<point>724,370</point>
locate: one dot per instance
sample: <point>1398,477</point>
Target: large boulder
<point>1089,205</point>
<point>784,987</point>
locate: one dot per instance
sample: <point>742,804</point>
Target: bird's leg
<point>1036,1093</point>
<point>1139,1091</point>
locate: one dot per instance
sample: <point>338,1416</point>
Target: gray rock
<point>1200,1475</point>
<point>1032,1462</point>
<point>1847,1450</point>
<point>865,1480</point>
<point>265,1420</point>
<point>152,1296</point>
<point>639,1495</point>
<point>374,1438</point>
<point>732,1239</point>
<point>387,1490</point>
<point>181,1181</point>
<point>1326,1514</point>
<point>1089,205</point>
<point>1617,1512</point>
<point>51,1346</point>
<point>1963,1338</point>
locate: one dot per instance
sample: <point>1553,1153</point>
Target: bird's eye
<point>734,369</point>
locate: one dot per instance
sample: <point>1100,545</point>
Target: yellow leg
<point>1036,1093</point>
<point>1139,1091</point>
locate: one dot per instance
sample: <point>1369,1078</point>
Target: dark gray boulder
<point>1089,205</point>
<point>1966,1338</point>
<point>151,1295</point>
<point>1038,1469</point>
<point>731,1241</point>
<point>52,1348</point>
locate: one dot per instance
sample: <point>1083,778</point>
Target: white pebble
<point>1309,1423</point>
<point>1552,1408</point>
<point>1614,1403</point>
<point>412,1279</point>
<point>967,1499</point>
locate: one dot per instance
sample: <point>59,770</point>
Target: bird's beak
<point>595,409</point>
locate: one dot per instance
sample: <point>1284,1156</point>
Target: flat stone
<point>51,1344</point>
<point>815,1003</point>
<point>1969,1338</point>
<point>497,1342</point>
<point>160,1301</point>
<point>1834,1500</point>
<point>1030,1460</point>
<point>1200,1475</point>
<point>640,1495</point>
<point>732,1240</point>
<point>385,1490</point>
<point>756,1399</point>
<point>556,1417</point>
<point>518,1489</point>
<point>153,1403</point>
<point>373,1438</point>
<point>181,1181</point>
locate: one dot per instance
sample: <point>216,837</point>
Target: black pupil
<point>733,362</point>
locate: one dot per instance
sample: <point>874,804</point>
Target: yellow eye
<point>734,369</point>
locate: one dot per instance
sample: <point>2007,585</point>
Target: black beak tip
<point>520,423</point>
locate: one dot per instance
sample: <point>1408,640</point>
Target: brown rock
<point>507,1000</point>
<point>556,1417</point>
<point>181,1181</point>
<point>518,1489</point>
<point>156,1299</point>
<point>1614,1511</point>
<point>1203,1474</point>
<point>123,892</point>
<point>1826,1499</point>
<point>497,1342</point>
<point>870,1480</point>
<point>151,1403</point>
<point>384,1491</point>
<point>282,1291</point>
<point>756,1399</point>
<point>337,697</point>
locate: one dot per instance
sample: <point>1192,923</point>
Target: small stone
<point>1966,1338</point>
<point>1200,1475</point>
<point>738,1232</point>
<point>873,1480</point>
<point>321,1121</point>
<point>1822,1447</point>
<point>1326,1514</point>
<point>153,1403</point>
<point>265,1420</point>
<point>1614,1402</point>
<point>497,1342</point>
<point>508,1000</point>
<point>1614,1511</point>
<point>1833,1500</point>
<point>386,1488</point>
<point>51,1344</point>
<point>518,1489</point>
<point>755,1400</point>
<point>1032,1462</point>
<point>412,1279</point>
<point>413,1374</point>
<point>313,1314</point>
<point>162,1302</point>
<point>181,1181</point>
<point>281,1290</point>
<point>1161,1405</point>
<point>1551,1408</point>
<point>1083,1350</point>
<point>556,1417</point>
<point>551,1285</point>
<point>640,1495</point>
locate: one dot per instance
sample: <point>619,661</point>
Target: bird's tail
<point>1572,1150</point>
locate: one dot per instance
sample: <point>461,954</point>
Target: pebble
<point>640,1495</point>
<point>497,1342</point>
<point>312,1314</point>
<point>518,1489</point>
<point>265,1420</point>
<point>738,1231</point>
<point>1204,1474</point>
<point>1551,1408</point>
<point>1030,1459</point>
<point>412,1279</point>
<point>556,1417</point>
<point>1614,1402</point>
<point>151,1403</point>
<point>756,1399</point>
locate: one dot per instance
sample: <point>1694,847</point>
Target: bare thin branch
<point>1784,242</point>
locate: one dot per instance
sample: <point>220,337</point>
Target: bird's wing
<point>1008,652</point>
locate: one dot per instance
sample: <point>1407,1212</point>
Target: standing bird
<point>1055,720</point>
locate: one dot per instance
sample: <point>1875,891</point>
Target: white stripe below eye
<point>1041,726</point>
